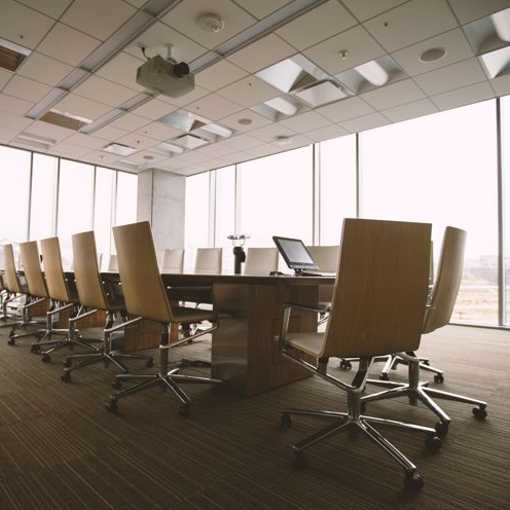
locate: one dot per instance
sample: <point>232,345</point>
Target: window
<point>505,132</point>
<point>75,197</point>
<point>127,198</point>
<point>337,163</point>
<point>15,184</point>
<point>103,210</point>
<point>44,196</point>
<point>442,169</point>
<point>225,179</point>
<point>276,197</point>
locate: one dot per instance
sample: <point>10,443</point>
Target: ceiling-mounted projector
<point>166,77</point>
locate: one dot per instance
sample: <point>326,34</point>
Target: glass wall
<point>505,188</point>
<point>104,208</point>
<point>225,214</point>
<point>127,188</point>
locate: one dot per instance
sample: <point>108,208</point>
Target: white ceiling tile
<point>461,97</point>
<point>305,122</point>
<point>451,77</point>
<point>411,22</point>
<point>249,91</point>
<point>154,109</point>
<point>399,93</point>
<point>262,8</point>
<point>67,44</point>
<point>101,158</point>
<point>47,130</point>
<point>122,69</point>
<point>89,141</point>
<point>97,19</point>
<point>159,131</point>
<point>270,133</point>
<point>6,135</point>
<point>109,133</point>
<point>129,122</point>
<point>317,24</point>
<point>137,141</point>
<point>364,9</point>
<point>502,85</point>
<point>104,91</point>
<point>327,133</point>
<point>262,150</point>
<point>44,69</point>
<point>232,121</point>
<point>241,142</point>
<point>454,42</point>
<point>345,109</point>
<point>145,157</point>
<point>184,18</point>
<point>294,143</point>
<point>14,123</point>
<point>14,105</point>
<point>27,89</point>
<point>22,25</point>
<point>357,42</point>
<point>5,76</point>
<point>370,121</point>
<point>67,150</point>
<point>77,105</point>
<point>410,110</point>
<point>218,75</point>
<point>190,97</point>
<point>469,10</point>
<point>52,8</point>
<point>159,34</point>
<point>213,107</point>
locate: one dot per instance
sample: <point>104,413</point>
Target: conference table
<point>244,349</point>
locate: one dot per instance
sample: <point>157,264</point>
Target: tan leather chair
<point>208,261</point>
<point>172,261</point>
<point>261,261</point>
<point>93,298</point>
<point>146,298</point>
<point>10,285</point>
<point>437,315</point>
<point>377,309</point>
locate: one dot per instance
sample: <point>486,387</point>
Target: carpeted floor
<point>60,449</point>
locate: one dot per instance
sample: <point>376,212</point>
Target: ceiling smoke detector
<point>432,55</point>
<point>244,121</point>
<point>210,22</point>
<point>283,139</point>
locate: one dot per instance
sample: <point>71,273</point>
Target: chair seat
<point>183,314</point>
<point>309,343</point>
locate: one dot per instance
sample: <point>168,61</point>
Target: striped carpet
<point>60,449</point>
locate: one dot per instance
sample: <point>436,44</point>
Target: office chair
<point>146,298</point>
<point>93,298</point>
<point>172,261</point>
<point>377,308</point>
<point>208,261</point>
<point>63,298</point>
<point>261,261</point>
<point>437,315</point>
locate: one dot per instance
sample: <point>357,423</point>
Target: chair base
<point>167,380</point>
<point>351,422</point>
<point>55,345</point>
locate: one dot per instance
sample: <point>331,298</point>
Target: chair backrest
<point>449,276</point>
<point>208,261</point>
<point>261,260</point>
<point>112,263</point>
<point>11,280</point>
<point>32,267</point>
<point>86,272</point>
<point>53,270</point>
<point>172,261</point>
<point>326,257</point>
<point>144,292</point>
<point>381,287</point>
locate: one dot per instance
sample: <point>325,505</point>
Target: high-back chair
<point>11,287</point>
<point>172,261</point>
<point>146,297</point>
<point>437,315</point>
<point>208,261</point>
<point>261,260</point>
<point>93,298</point>
<point>377,308</point>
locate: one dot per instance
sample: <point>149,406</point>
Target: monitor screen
<point>295,253</point>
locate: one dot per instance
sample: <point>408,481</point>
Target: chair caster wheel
<point>66,376</point>
<point>345,365</point>
<point>117,385</point>
<point>68,363</point>
<point>111,406</point>
<point>439,378</point>
<point>442,428</point>
<point>149,363</point>
<point>36,349</point>
<point>433,443</point>
<point>45,357</point>
<point>480,412</point>
<point>413,481</point>
<point>384,377</point>
<point>285,422</point>
<point>299,460</point>
<point>11,341</point>
<point>184,410</point>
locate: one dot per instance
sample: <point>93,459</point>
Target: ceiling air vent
<point>120,149</point>
<point>12,55</point>
<point>190,141</point>
<point>65,120</point>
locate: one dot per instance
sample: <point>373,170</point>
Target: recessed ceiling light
<point>210,22</point>
<point>283,139</point>
<point>432,55</point>
<point>119,149</point>
<point>244,121</point>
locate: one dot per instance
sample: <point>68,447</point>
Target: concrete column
<point>161,198</point>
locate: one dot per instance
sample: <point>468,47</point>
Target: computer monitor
<point>295,254</point>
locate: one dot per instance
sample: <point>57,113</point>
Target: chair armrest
<point>287,309</point>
